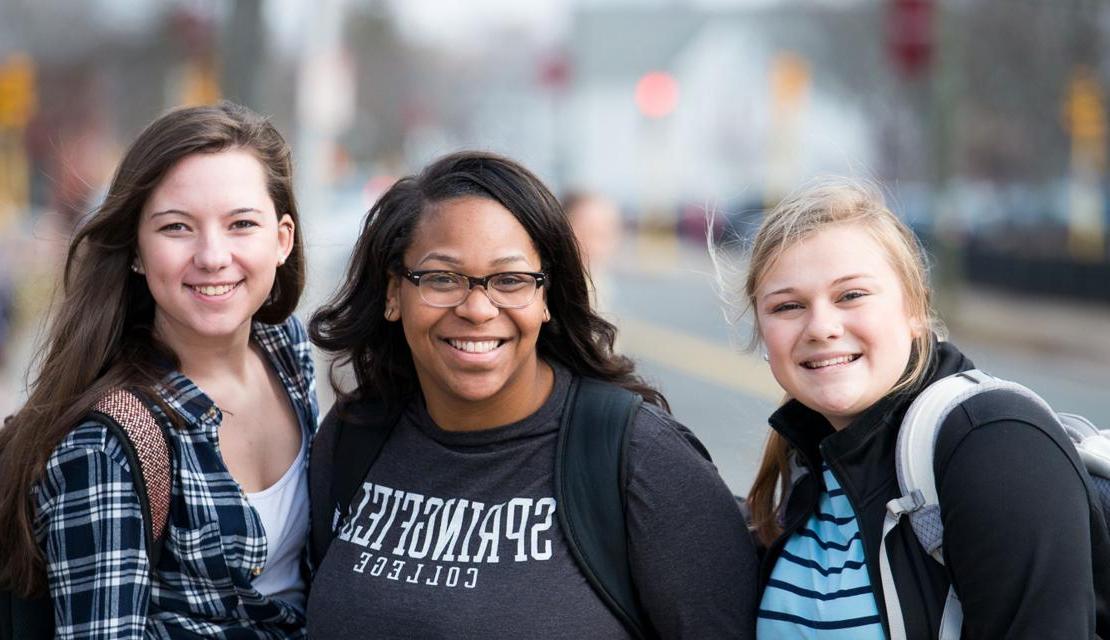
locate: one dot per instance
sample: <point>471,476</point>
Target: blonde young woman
<point>838,290</point>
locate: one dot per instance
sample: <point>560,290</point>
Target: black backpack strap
<point>146,445</point>
<point>360,430</point>
<point>589,492</point>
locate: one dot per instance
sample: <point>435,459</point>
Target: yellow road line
<point>711,361</point>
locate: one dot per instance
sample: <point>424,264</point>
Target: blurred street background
<point>985,121</point>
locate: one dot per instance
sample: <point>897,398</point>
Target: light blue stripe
<point>838,505</point>
<point>857,606</point>
<point>827,555</point>
<point>820,586</point>
<point>845,593</point>
<point>782,630</point>
<point>826,543</point>
<point>809,579</point>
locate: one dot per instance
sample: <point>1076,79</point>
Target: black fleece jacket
<point>1025,542</point>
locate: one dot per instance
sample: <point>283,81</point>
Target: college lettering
<point>405,532</point>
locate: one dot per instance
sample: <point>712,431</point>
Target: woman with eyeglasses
<point>466,321</point>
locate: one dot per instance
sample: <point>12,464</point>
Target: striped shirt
<point>819,587</point>
<point>89,523</point>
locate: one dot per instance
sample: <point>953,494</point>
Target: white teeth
<point>217,290</point>
<point>818,364</point>
<point>470,346</point>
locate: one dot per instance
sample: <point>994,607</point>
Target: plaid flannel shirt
<point>89,522</point>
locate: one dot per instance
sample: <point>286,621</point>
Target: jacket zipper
<point>876,586</point>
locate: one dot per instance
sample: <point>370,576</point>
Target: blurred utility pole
<point>949,230</point>
<point>656,97</point>
<point>554,76</point>
<point>325,100</point>
<point>244,44</point>
<point>1084,115</point>
<point>925,55</point>
<point>195,31</point>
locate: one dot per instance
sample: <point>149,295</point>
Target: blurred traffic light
<point>909,35</point>
<point>657,94</point>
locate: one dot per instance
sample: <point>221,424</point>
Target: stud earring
<point>766,357</point>
<point>135,268</point>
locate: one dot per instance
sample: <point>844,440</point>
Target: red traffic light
<point>910,34</point>
<point>657,94</point>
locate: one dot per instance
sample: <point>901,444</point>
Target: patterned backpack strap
<point>151,449</point>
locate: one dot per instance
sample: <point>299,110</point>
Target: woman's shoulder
<point>88,455</point>
<point>655,432</point>
<point>1004,432</point>
<point>996,412</point>
<point>90,436</point>
<point>346,411</point>
<point>652,421</point>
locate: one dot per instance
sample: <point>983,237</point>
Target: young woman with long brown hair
<point>180,288</point>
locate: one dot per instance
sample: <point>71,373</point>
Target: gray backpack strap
<point>914,454</point>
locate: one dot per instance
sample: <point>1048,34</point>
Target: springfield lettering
<point>408,536</point>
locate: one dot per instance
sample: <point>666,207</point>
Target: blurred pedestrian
<point>7,311</point>
<point>596,221</point>
<point>7,320</point>
<point>838,291</point>
<point>465,315</point>
<point>180,288</point>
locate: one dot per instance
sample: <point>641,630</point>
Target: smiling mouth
<point>475,346</point>
<point>831,362</point>
<point>214,290</point>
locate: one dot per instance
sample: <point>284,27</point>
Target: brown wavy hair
<point>823,204</point>
<point>101,336</point>
<point>352,323</point>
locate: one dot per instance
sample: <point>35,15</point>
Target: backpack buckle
<point>907,503</point>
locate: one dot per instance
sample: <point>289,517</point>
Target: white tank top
<point>283,509</point>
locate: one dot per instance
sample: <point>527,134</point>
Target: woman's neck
<point>516,401</point>
<point>206,357</point>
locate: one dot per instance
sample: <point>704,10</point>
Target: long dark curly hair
<point>352,324</point>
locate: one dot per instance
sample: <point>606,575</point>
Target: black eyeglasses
<point>507,290</point>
